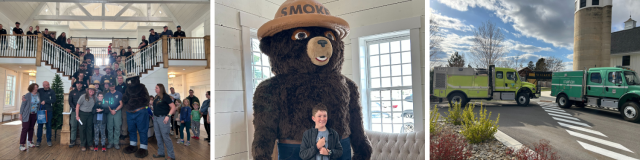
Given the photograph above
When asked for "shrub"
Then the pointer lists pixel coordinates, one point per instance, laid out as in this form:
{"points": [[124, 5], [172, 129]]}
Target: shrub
{"points": [[447, 145], [543, 151], [455, 114], [478, 128], [433, 120]]}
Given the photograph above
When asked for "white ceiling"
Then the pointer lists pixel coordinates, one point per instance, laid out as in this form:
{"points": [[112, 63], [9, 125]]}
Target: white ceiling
{"points": [[184, 70], [19, 67], [185, 13]]}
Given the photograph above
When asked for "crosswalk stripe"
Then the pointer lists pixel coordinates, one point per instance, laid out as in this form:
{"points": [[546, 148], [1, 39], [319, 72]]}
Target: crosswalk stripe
{"points": [[581, 129], [568, 121], [557, 112], [604, 152], [553, 109], [598, 140], [566, 117]]}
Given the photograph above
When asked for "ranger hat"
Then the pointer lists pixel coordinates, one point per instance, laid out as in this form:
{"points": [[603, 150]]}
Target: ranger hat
{"points": [[92, 87], [96, 81], [303, 13]]}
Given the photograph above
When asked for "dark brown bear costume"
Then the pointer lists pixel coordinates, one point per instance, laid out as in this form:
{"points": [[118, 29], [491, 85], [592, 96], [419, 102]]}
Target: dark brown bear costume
{"points": [[134, 97], [306, 57]]}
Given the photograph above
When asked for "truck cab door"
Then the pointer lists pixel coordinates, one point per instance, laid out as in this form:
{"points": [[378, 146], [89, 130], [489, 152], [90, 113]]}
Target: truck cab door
{"points": [[595, 84], [500, 85], [511, 81], [614, 86]]}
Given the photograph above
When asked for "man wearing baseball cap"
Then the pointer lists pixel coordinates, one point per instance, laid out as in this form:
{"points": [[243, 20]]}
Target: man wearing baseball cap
{"points": [[179, 45], [153, 36], [167, 32], [18, 31]]}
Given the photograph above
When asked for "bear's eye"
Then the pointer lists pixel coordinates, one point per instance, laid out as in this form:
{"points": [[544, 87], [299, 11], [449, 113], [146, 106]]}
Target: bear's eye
{"points": [[330, 35], [300, 34]]}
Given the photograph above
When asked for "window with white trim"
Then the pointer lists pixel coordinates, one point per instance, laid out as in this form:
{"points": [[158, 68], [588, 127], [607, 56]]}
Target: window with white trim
{"points": [[390, 84], [260, 67], [10, 91]]}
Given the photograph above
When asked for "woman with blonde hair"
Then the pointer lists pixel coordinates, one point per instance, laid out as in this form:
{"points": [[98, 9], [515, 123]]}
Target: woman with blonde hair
{"points": [[28, 116]]}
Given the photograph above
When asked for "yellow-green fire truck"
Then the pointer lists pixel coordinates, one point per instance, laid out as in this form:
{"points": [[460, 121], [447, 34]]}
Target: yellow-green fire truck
{"points": [[615, 88], [460, 85]]}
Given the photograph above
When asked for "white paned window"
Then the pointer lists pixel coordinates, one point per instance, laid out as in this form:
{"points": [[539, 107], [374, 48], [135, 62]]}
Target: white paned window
{"points": [[390, 84], [10, 90], [260, 67]]}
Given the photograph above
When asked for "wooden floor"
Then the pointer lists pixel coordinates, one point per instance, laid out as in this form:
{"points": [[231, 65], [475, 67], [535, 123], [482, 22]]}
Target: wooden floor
{"points": [[10, 139]]}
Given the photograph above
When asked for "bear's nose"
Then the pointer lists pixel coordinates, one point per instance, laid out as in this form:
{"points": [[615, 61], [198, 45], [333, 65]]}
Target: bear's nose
{"points": [[322, 42]]}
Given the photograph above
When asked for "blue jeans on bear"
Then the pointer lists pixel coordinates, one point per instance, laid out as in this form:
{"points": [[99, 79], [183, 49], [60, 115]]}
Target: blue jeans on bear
{"points": [[292, 151], [138, 122], [48, 124]]}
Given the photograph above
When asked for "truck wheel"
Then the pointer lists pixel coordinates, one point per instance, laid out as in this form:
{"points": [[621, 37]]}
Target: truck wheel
{"points": [[523, 99], [563, 101], [458, 98], [630, 112]]}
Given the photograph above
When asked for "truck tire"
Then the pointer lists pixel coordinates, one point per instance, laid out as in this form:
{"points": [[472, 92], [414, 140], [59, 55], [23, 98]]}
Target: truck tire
{"points": [[563, 101], [630, 112], [523, 98], [458, 98]]}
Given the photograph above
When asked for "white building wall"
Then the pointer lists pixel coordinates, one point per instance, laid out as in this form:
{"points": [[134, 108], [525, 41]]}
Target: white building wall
{"points": [[617, 61], [231, 129], [155, 76]]}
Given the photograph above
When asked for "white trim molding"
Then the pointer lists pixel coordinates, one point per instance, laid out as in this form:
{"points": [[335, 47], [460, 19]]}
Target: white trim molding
{"points": [[358, 38]]}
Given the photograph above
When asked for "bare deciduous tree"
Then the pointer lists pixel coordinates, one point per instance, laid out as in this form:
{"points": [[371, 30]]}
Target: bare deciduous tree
{"points": [[554, 64], [487, 46], [516, 62], [435, 38]]}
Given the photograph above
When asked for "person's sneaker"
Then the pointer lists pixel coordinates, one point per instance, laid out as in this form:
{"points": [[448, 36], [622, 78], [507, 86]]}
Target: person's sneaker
{"points": [[49, 144], [109, 146], [193, 136], [71, 144], [197, 138], [180, 141], [117, 146], [37, 144], [158, 156], [177, 136], [104, 149], [171, 133], [83, 149], [187, 143], [30, 144], [95, 148], [23, 148]]}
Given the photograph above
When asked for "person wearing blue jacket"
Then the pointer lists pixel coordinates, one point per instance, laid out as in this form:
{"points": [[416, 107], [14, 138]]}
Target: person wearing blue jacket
{"points": [[185, 122]]}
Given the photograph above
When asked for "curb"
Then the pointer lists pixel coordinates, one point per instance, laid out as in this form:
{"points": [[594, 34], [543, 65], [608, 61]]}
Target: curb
{"points": [[509, 142]]}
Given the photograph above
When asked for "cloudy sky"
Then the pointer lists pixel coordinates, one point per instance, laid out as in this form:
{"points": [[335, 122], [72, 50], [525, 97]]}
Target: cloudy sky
{"points": [[532, 28]]}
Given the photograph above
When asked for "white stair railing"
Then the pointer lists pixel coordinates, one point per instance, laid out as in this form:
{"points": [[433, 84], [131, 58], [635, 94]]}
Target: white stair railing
{"points": [[18, 46], [59, 58], [188, 48], [145, 59]]}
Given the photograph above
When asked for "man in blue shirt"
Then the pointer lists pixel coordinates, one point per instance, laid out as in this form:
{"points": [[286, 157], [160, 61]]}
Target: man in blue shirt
{"points": [[113, 99], [205, 112]]}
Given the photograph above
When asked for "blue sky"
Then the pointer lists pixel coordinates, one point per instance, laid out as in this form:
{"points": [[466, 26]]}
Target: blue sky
{"points": [[532, 29]]}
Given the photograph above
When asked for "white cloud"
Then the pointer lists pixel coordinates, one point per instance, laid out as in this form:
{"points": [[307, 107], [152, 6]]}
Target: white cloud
{"points": [[512, 45], [517, 35], [448, 22], [568, 66], [570, 56]]}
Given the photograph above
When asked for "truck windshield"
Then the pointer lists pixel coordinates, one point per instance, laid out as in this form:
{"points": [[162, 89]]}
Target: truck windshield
{"points": [[632, 78]]}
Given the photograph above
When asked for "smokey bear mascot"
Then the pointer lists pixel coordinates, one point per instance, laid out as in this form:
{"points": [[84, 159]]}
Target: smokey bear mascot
{"points": [[136, 100], [305, 49]]}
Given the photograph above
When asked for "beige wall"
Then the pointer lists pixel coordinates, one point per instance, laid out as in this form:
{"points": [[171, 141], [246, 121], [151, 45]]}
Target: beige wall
{"points": [[199, 81], [21, 85]]}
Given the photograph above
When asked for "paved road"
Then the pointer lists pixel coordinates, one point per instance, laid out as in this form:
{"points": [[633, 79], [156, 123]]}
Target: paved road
{"points": [[577, 133]]}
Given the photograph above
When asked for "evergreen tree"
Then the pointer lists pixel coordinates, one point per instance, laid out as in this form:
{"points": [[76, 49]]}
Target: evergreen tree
{"points": [[456, 60], [531, 65], [541, 65], [58, 88]]}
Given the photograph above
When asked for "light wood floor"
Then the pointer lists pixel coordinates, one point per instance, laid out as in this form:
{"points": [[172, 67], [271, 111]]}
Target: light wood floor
{"points": [[10, 139]]}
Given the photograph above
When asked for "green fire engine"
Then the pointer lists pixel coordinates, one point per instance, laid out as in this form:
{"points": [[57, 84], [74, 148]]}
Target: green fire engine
{"points": [[460, 85], [615, 88]]}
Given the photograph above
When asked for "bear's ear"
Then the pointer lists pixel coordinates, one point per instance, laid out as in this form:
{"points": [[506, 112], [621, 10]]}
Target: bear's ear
{"points": [[265, 45]]}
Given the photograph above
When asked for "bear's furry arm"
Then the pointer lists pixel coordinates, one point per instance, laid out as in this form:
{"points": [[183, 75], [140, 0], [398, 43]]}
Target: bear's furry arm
{"points": [[265, 122], [359, 142]]}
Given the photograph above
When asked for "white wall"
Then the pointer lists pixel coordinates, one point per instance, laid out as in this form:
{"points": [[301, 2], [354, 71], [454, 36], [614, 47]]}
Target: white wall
{"points": [[155, 76], [21, 85], [45, 73], [231, 129], [617, 61]]}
